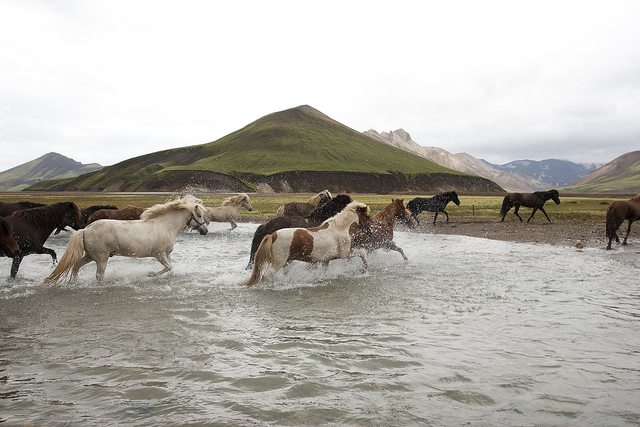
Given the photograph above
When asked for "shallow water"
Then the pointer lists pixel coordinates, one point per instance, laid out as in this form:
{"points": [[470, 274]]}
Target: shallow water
{"points": [[468, 331]]}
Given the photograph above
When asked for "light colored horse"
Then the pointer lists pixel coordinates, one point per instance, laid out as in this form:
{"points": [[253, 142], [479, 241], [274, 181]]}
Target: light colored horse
{"points": [[304, 208], [331, 240], [153, 235], [228, 211]]}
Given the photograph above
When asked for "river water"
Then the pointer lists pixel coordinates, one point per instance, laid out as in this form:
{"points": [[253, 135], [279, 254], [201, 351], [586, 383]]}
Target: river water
{"points": [[467, 331]]}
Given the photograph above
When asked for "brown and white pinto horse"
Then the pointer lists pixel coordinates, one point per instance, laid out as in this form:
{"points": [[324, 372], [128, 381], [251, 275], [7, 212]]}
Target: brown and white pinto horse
{"points": [[331, 240], [127, 213], [304, 208], [528, 200], [381, 225], [617, 212], [8, 245]]}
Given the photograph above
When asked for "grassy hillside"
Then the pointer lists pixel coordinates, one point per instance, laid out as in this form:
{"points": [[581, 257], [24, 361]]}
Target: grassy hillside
{"points": [[297, 140], [621, 175]]}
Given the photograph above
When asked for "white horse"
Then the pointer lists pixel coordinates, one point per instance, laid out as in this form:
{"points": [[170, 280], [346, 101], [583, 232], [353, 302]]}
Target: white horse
{"points": [[153, 235], [304, 208], [228, 211], [331, 240]]}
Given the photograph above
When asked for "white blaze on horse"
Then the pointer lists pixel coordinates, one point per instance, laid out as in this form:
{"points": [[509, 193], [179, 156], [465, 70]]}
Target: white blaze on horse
{"points": [[333, 239], [153, 235], [228, 211], [304, 208]]}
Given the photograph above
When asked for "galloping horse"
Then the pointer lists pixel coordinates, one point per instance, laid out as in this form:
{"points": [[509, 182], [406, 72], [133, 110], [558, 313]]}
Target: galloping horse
{"points": [[435, 204], [32, 227], [127, 213], [528, 200], [228, 211], [302, 208], [315, 218], [153, 235], [617, 212], [331, 240], [8, 245], [87, 212], [381, 225], [7, 208]]}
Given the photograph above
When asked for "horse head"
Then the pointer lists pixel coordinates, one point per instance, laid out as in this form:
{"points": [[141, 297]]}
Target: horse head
{"points": [[401, 213], [8, 245], [555, 196], [454, 198], [73, 218], [197, 221]]}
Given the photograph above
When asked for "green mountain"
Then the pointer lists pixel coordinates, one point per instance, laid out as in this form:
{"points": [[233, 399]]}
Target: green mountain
{"points": [[50, 166], [296, 150], [621, 175]]}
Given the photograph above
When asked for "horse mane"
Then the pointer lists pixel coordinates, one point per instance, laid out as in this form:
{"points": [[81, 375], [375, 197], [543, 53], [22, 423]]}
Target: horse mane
{"points": [[329, 208], [232, 200], [636, 198], [186, 202], [47, 215], [315, 200], [343, 218]]}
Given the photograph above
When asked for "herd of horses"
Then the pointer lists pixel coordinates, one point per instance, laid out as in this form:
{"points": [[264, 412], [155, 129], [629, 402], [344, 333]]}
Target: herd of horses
{"points": [[318, 231]]}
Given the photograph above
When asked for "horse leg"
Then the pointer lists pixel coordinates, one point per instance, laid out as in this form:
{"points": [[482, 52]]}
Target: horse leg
{"points": [[515, 211], [415, 216], [544, 212], [624, 241], [233, 224], [434, 219], [164, 259], [392, 246], [361, 254], [15, 265], [445, 212], [47, 251]]}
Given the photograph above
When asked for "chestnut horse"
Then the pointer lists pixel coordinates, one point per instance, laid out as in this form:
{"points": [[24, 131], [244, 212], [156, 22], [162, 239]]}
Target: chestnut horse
{"points": [[315, 218], [127, 213], [302, 208], [617, 212], [331, 240], [32, 227], [228, 211], [381, 225], [8, 245], [528, 200]]}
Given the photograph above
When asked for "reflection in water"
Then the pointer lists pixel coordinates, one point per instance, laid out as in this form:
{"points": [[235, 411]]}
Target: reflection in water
{"points": [[468, 330]]}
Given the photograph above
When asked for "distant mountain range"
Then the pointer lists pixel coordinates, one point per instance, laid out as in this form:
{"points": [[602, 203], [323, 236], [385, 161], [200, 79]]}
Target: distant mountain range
{"points": [[49, 166], [519, 175], [621, 175]]}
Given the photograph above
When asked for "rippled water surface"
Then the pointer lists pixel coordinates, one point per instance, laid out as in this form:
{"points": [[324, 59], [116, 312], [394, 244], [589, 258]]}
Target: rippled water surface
{"points": [[468, 331]]}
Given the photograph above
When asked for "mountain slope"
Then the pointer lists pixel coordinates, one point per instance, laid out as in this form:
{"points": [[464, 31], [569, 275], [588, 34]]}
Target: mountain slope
{"points": [[49, 166], [462, 162], [621, 175], [299, 149], [552, 172]]}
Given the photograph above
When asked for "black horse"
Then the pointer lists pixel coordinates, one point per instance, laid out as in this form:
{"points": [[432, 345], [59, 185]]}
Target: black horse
{"points": [[315, 218], [433, 204], [529, 200], [32, 227], [7, 208], [87, 212]]}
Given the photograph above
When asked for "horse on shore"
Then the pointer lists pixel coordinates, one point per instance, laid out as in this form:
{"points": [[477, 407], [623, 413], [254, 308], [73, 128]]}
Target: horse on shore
{"points": [[331, 240], [153, 235], [228, 211], [32, 227], [304, 208], [617, 212], [435, 204], [313, 219], [381, 227], [7, 208], [528, 200], [8, 245], [127, 213]]}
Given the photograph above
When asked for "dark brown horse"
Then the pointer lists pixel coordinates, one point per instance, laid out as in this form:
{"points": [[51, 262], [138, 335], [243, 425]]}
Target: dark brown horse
{"points": [[381, 228], [32, 227], [128, 212], [8, 245], [87, 212], [528, 200], [435, 204], [617, 212], [315, 218], [7, 208]]}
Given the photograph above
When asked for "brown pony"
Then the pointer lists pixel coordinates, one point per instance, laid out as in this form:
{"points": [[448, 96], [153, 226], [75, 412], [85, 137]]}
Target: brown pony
{"points": [[617, 212], [381, 225], [8, 245], [7, 208], [304, 208], [128, 212], [528, 200]]}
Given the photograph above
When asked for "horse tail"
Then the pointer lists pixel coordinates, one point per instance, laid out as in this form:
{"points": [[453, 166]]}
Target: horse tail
{"points": [[506, 205], [262, 258], [255, 243], [70, 261]]}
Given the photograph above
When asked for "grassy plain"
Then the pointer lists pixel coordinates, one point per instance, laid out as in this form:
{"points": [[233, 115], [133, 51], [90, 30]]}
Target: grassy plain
{"points": [[264, 205]]}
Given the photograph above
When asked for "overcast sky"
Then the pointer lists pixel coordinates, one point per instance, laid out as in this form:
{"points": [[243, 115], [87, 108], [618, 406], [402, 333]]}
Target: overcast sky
{"points": [[104, 81]]}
